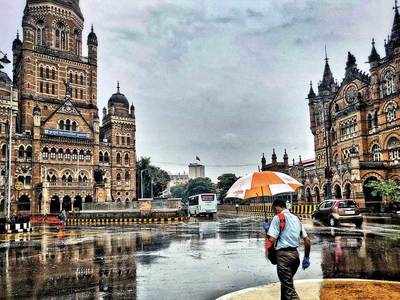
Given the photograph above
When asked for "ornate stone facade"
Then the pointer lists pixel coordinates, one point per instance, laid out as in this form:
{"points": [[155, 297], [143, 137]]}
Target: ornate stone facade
{"points": [[356, 124], [58, 142]]}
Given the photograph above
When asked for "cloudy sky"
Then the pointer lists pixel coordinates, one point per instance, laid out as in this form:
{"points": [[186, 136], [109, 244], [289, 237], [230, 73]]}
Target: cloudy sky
{"points": [[221, 79]]}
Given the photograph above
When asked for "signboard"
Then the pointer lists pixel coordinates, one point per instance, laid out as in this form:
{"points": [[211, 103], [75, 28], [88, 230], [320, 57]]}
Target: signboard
{"points": [[67, 134]]}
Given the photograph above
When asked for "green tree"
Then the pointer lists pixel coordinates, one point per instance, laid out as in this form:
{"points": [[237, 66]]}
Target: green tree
{"points": [[152, 177], [225, 181], [199, 186], [387, 188], [178, 191]]}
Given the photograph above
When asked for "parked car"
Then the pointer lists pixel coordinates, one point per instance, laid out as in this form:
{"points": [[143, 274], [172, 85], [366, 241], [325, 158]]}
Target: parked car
{"points": [[334, 212]]}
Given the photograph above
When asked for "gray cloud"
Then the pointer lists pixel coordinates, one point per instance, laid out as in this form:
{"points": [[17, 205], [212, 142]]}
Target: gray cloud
{"points": [[225, 80]]}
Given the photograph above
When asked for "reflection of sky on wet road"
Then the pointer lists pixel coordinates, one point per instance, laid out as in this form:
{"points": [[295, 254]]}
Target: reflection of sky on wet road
{"points": [[187, 261]]}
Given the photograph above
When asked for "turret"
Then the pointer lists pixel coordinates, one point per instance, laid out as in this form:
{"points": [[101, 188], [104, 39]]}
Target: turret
{"points": [[394, 40], [92, 47], [132, 110], [328, 83], [374, 57], [311, 102], [286, 159], [351, 63], [263, 163], [274, 157]]}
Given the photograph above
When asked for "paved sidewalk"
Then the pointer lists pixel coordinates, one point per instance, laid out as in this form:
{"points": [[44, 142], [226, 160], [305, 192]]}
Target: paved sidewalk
{"points": [[325, 289]]}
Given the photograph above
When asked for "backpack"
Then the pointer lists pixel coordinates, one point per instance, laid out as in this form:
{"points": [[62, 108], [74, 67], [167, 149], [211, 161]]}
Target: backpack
{"points": [[271, 247]]}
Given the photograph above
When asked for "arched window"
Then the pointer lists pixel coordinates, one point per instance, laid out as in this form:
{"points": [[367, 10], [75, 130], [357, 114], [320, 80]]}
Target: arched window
{"points": [[4, 150], [76, 78], [21, 152], [69, 179], [53, 74], [41, 72], [75, 154], [123, 140], [376, 153], [391, 113], [118, 177], [127, 159], [101, 157], [394, 149], [81, 79], [68, 125], [53, 152], [47, 72], [67, 154], [60, 153], [127, 176], [63, 40], [61, 125], [128, 141], [118, 158], [45, 153], [388, 83], [70, 77], [40, 33], [106, 157], [369, 121], [81, 155], [53, 179], [78, 44], [74, 126], [57, 38], [88, 155], [28, 152]]}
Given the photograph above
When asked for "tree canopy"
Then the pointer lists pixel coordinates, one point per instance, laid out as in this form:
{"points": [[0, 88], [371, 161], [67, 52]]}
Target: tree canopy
{"points": [[199, 186], [225, 181], [387, 188], [151, 175]]}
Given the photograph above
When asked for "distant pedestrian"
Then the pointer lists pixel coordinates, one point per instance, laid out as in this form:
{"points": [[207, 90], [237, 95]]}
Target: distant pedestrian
{"points": [[284, 236], [266, 224], [237, 208]]}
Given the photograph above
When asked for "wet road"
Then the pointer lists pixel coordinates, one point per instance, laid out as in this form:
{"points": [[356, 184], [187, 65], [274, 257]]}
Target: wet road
{"points": [[196, 260]]}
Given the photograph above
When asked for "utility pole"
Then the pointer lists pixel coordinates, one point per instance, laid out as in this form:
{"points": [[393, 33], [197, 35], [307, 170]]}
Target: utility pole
{"points": [[9, 167]]}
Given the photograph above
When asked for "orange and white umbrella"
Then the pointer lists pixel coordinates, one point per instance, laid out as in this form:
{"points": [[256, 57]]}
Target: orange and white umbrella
{"points": [[259, 184]]}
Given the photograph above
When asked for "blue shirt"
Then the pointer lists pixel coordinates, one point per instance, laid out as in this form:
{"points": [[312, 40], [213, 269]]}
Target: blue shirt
{"points": [[290, 236]]}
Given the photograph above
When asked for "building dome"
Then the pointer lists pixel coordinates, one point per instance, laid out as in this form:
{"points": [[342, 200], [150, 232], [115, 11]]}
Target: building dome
{"points": [[17, 43], [118, 99], [71, 4], [92, 38]]}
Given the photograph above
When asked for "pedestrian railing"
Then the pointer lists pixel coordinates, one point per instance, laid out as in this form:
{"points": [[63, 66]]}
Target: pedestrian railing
{"points": [[301, 209]]}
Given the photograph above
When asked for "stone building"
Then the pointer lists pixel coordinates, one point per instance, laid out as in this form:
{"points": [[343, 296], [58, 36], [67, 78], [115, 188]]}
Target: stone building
{"points": [[62, 155], [356, 124], [275, 165]]}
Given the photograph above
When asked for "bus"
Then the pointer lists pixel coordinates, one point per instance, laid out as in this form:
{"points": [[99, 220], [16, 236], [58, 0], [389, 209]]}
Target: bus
{"points": [[203, 205]]}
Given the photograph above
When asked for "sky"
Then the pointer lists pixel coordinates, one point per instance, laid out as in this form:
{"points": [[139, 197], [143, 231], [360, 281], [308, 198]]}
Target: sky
{"points": [[224, 80]]}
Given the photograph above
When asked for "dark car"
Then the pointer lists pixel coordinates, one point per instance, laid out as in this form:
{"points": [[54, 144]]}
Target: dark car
{"points": [[334, 212]]}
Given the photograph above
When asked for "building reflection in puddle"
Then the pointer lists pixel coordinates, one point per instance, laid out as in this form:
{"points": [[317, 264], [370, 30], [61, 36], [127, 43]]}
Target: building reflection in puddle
{"points": [[362, 255], [102, 266]]}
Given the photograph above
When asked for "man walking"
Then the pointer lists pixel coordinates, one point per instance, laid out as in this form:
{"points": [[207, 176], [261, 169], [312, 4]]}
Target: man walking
{"points": [[286, 235]]}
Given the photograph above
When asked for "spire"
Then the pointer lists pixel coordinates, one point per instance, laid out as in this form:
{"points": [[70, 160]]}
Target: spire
{"points": [[351, 62], [393, 40], [286, 159], [327, 79], [118, 88], [274, 157], [311, 93], [374, 56], [92, 29]]}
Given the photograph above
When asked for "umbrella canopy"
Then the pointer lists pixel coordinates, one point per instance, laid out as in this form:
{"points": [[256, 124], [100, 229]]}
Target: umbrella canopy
{"points": [[260, 184]]}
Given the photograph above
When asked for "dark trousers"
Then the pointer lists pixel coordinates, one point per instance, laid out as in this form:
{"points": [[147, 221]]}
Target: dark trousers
{"points": [[287, 264]]}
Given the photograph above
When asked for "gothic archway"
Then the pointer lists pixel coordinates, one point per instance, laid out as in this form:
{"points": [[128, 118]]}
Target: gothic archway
{"points": [[24, 203], [338, 192], [317, 194], [55, 205], [88, 199], [347, 191], [67, 204], [373, 200], [308, 195], [78, 202]]}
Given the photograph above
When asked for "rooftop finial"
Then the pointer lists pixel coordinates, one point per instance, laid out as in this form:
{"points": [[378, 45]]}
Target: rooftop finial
{"points": [[396, 6], [326, 55], [17, 34], [118, 87], [92, 28]]}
